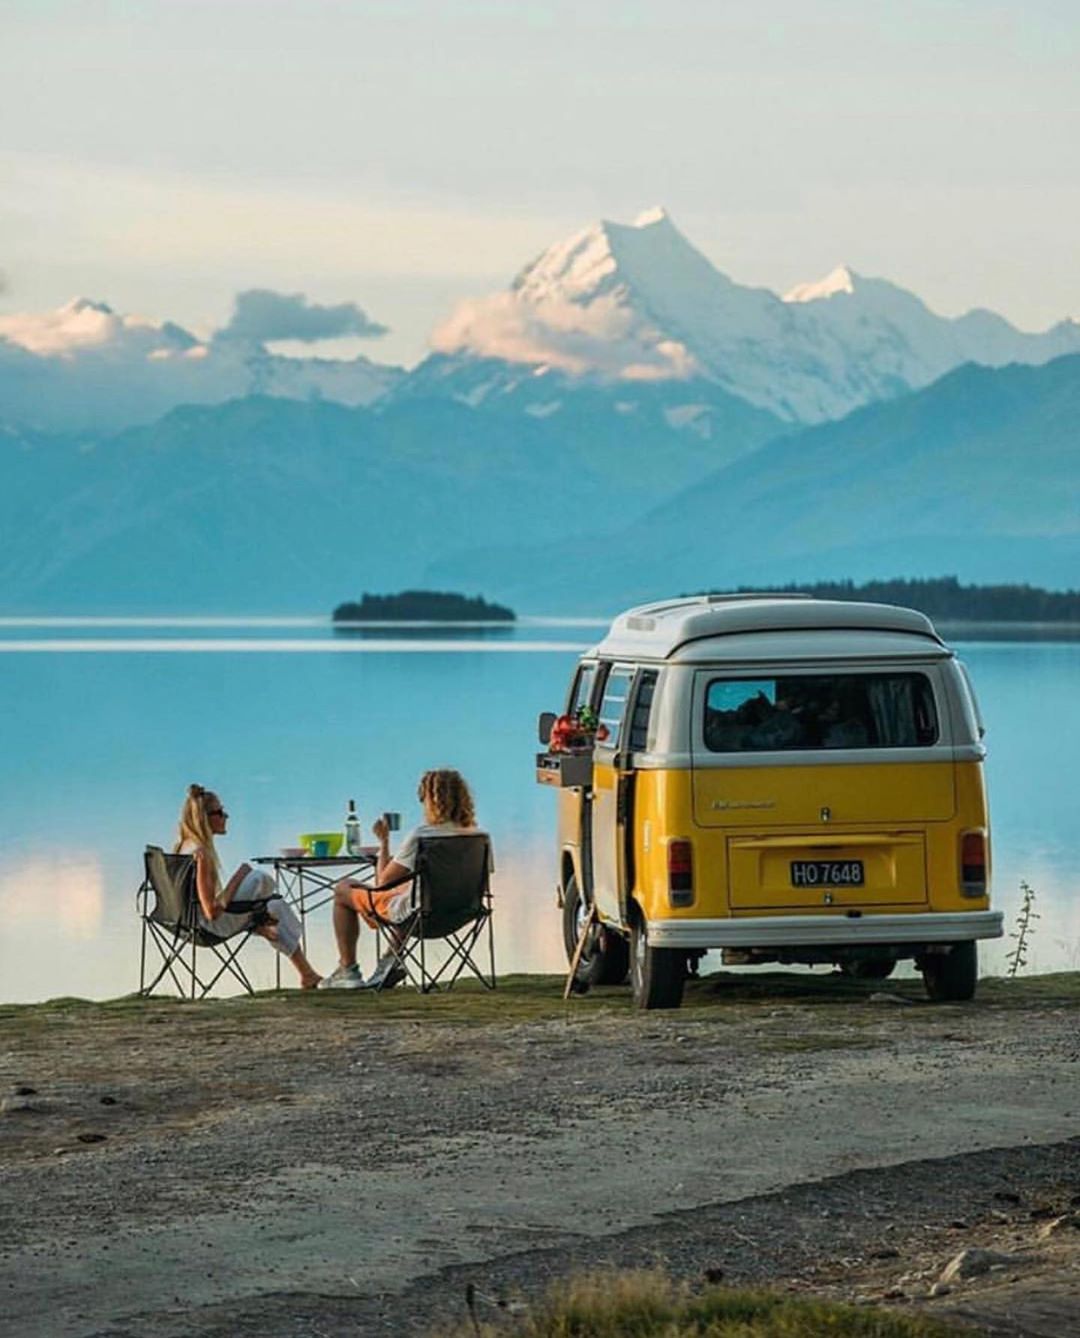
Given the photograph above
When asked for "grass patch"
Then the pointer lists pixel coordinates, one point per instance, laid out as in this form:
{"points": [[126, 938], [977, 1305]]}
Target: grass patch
{"points": [[650, 1305], [1060, 989], [526, 998], [519, 998], [794, 1045]]}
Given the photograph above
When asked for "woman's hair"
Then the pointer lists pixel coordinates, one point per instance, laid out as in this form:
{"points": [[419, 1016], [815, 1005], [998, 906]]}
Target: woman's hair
{"points": [[447, 797], [194, 824]]}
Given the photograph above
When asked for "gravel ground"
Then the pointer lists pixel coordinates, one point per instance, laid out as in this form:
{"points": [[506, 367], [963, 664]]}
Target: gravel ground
{"points": [[341, 1164]]}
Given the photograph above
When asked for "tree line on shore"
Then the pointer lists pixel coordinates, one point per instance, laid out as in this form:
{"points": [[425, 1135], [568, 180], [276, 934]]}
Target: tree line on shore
{"points": [[944, 597]]}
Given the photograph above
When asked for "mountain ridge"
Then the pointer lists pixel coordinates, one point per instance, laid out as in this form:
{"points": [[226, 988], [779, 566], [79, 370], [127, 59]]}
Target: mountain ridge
{"points": [[272, 504], [977, 474]]}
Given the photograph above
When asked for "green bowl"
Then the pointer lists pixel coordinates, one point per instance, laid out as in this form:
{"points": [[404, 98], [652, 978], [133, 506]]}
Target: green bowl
{"points": [[333, 841]]}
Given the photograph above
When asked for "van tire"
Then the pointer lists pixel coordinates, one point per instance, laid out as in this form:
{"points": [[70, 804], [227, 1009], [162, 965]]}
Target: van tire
{"points": [[605, 959], [951, 977], [657, 975]]}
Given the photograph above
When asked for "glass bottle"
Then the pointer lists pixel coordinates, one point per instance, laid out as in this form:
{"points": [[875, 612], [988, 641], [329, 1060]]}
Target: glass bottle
{"points": [[352, 830]]}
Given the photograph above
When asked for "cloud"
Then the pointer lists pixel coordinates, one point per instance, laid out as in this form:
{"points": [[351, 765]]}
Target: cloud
{"points": [[603, 336], [261, 315], [86, 367], [83, 326]]}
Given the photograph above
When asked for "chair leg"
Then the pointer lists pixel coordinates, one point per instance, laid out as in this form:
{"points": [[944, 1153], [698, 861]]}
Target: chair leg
{"points": [[462, 947], [142, 958], [227, 956], [176, 960], [171, 954], [166, 959]]}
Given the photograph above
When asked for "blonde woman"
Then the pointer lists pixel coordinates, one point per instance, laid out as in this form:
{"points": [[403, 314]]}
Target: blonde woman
{"points": [[448, 811], [203, 818]]}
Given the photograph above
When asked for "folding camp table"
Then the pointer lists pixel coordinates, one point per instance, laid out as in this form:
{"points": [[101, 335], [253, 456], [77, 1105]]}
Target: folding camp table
{"points": [[306, 882]]}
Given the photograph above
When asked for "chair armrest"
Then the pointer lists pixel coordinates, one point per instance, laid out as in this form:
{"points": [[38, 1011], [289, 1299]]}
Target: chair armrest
{"points": [[383, 887], [386, 887], [246, 907]]}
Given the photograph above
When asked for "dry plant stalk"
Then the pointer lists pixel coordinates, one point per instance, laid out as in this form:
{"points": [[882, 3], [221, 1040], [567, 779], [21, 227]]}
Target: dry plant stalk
{"points": [[1017, 958]]}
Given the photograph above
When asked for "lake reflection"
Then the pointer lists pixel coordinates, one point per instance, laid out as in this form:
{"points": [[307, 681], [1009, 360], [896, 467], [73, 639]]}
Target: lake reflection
{"points": [[113, 720]]}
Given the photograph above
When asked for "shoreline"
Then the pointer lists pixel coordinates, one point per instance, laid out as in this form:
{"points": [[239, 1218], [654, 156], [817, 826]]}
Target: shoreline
{"points": [[962, 628]]}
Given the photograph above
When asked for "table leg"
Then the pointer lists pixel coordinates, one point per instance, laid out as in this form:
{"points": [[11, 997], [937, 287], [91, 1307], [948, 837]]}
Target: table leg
{"points": [[277, 955]]}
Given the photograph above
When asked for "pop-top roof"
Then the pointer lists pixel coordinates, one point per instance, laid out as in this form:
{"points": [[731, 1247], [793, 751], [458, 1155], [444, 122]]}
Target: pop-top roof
{"points": [[656, 631]]}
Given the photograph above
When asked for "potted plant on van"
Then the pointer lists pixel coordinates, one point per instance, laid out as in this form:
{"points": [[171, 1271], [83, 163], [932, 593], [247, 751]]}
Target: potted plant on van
{"points": [[577, 732]]}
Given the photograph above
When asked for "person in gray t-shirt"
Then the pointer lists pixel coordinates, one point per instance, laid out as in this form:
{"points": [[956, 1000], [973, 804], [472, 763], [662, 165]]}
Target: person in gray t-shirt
{"points": [[448, 811]]}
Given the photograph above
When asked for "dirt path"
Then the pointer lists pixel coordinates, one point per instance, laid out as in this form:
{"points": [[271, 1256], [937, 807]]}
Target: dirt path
{"points": [[299, 1165]]}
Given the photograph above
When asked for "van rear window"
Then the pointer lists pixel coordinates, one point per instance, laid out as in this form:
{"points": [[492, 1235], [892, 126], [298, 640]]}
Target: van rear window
{"points": [[826, 711]]}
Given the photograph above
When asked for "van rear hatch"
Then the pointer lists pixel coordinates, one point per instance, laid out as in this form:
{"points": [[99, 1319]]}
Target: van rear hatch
{"points": [[806, 870], [820, 784]]}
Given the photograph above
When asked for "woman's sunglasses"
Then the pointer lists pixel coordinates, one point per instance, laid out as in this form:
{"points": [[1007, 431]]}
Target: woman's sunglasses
{"points": [[216, 813]]}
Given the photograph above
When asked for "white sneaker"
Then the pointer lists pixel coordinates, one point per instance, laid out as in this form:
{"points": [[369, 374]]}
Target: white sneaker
{"points": [[388, 973], [343, 978]]}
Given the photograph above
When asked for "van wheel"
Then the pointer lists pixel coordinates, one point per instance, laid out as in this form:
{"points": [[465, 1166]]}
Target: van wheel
{"points": [[657, 975], [869, 968], [605, 959], [951, 976]]}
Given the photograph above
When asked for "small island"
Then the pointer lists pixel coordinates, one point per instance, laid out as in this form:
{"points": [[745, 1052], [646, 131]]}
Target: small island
{"points": [[423, 606]]}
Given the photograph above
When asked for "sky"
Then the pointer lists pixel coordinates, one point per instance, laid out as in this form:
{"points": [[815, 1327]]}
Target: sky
{"points": [[162, 155]]}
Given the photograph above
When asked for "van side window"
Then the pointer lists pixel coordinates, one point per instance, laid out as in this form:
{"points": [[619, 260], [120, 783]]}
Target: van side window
{"points": [[613, 703], [581, 691], [639, 723], [820, 711]]}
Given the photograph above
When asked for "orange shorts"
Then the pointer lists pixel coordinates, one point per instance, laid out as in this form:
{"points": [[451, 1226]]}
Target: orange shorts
{"points": [[388, 905]]}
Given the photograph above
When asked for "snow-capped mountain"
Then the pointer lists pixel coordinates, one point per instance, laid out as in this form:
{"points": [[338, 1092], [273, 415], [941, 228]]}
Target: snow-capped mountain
{"points": [[85, 367], [639, 303], [615, 321]]}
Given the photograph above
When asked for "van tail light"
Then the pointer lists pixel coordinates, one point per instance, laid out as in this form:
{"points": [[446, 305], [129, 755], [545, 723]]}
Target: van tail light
{"points": [[973, 881], [680, 873]]}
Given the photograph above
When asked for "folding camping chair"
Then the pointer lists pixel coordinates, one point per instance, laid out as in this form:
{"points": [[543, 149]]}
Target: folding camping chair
{"points": [[172, 922], [451, 901]]}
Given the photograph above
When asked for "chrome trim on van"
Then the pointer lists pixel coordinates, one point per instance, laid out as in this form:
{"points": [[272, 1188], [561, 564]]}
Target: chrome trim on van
{"points": [[790, 931]]}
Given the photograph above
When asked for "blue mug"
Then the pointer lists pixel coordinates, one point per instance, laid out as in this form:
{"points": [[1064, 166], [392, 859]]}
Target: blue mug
{"points": [[320, 849]]}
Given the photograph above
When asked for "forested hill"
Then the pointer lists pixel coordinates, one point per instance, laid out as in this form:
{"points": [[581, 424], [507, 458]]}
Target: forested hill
{"points": [[945, 597]]}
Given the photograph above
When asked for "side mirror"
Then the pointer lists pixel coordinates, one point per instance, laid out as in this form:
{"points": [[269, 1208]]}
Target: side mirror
{"points": [[544, 726]]}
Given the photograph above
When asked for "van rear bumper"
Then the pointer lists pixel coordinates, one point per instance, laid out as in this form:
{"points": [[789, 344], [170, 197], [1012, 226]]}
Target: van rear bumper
{"points": [[788, 931]]}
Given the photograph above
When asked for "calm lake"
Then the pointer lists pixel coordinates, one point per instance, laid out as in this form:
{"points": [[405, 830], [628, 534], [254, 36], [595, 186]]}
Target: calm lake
{"points": [[108, 721]]}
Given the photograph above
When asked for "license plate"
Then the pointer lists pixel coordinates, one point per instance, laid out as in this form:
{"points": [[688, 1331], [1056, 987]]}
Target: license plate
{"points": [[827, 873]]}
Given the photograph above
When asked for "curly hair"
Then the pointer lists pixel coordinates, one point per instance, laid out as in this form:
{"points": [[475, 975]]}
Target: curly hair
{"points": [[447, 797]]}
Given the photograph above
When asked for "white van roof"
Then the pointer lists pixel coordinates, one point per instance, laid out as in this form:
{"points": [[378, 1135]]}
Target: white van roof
{"points": [[658, 631]]}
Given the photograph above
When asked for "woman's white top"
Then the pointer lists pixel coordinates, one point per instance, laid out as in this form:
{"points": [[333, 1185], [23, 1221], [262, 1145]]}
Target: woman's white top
{"points": [[190, 847]]}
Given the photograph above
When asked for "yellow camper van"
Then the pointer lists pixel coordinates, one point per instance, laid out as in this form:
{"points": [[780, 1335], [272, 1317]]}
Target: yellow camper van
{"points": [[781, 778]]}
